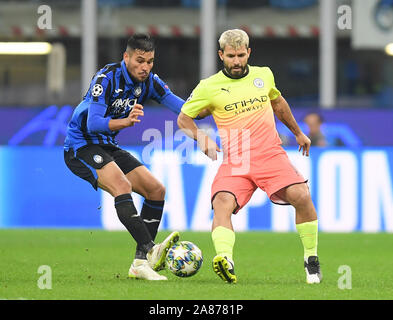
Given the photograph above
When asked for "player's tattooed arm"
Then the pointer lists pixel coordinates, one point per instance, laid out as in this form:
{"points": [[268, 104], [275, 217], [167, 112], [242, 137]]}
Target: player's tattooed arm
{"points": [[284, 114]]}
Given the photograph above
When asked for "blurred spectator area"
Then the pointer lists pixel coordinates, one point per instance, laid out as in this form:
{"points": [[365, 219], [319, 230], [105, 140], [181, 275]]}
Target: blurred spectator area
{"points": [[283, 36]]}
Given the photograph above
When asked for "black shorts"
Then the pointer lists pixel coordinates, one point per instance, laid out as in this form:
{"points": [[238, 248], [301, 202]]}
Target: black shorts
{"points": [[91, 157]]}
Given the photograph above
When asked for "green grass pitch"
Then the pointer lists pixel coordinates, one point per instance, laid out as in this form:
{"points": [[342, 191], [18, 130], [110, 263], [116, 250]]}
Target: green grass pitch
{"points": [[93, 264]]}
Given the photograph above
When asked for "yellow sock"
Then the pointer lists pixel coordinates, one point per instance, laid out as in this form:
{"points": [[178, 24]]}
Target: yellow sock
{"points": [[308, 232], [223, 240]]}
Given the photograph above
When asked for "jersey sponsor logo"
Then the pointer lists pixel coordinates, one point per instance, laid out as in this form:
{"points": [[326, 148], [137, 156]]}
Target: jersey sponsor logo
{"points": [[97, 90], [97, 158], [245, 103], [137, 91], [124, 103], [258, 82], [248, 109], [121, 105]]}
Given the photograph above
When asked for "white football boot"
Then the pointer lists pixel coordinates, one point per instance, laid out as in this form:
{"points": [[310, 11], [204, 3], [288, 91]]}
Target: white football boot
{"points": [[156, 255], [313, 270], [140, 269]]}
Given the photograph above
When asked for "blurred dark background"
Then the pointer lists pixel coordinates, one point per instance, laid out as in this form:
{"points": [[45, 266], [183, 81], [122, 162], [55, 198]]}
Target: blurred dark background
{"points": [[284, 35]]}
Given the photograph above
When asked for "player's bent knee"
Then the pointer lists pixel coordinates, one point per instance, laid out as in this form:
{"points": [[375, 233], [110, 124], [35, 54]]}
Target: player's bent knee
{"points": [[224, 200], [124, 186], [161, 191], [155, 191], [119, 187], [300, 197]]}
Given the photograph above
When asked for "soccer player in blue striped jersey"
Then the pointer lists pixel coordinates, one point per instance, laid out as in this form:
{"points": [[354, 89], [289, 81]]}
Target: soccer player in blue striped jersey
{"points": [[113, 102]]}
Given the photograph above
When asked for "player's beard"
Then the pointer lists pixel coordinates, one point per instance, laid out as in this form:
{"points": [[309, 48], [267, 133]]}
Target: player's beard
{"points": [[139, 77], [143, 77], [236, 73]]}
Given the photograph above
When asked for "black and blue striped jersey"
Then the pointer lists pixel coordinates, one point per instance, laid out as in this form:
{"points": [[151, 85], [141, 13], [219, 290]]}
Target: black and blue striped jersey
{"points": [[112, 95]]}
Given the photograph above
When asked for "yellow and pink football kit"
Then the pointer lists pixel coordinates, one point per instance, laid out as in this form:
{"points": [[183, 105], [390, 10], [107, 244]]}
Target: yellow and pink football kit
{"points": [[253, 155]]}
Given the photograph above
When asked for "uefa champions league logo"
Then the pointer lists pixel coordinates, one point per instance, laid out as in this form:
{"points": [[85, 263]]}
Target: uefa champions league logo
{"points": [[97, 90]]}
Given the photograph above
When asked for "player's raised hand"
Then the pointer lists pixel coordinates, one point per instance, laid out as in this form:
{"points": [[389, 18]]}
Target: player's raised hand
{"points": [[137, 111], [208, 146], [304, 143]]}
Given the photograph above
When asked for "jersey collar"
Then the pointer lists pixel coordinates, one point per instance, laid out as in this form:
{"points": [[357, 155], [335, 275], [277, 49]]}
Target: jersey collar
{"points": [[126, 74], [229, 76]]}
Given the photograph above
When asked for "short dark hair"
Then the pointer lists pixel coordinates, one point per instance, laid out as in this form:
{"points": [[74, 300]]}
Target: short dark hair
{"points": [[141, 41]]}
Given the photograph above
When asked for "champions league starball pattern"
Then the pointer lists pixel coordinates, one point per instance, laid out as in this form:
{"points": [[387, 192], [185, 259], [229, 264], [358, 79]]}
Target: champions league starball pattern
{"points": [[184, 259]]}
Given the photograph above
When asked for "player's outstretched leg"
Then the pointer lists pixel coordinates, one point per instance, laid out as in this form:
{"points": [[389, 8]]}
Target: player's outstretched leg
{"points": [[224, 268], [156, 256], [308, 232], [223, 236], [298, 195], [140, 269], [151, 215]]}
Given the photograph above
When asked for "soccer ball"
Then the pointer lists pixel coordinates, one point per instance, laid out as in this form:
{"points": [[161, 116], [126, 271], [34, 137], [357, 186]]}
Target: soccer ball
{"points": [[184, 259]]}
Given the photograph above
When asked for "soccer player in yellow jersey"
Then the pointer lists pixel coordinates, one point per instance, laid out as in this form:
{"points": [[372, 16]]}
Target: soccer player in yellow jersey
{"points": [[243, 100]]}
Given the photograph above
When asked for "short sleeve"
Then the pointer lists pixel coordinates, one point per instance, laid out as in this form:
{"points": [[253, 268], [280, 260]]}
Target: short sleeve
{"points": [[100, 89], [274, 93], [196, 102]]}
